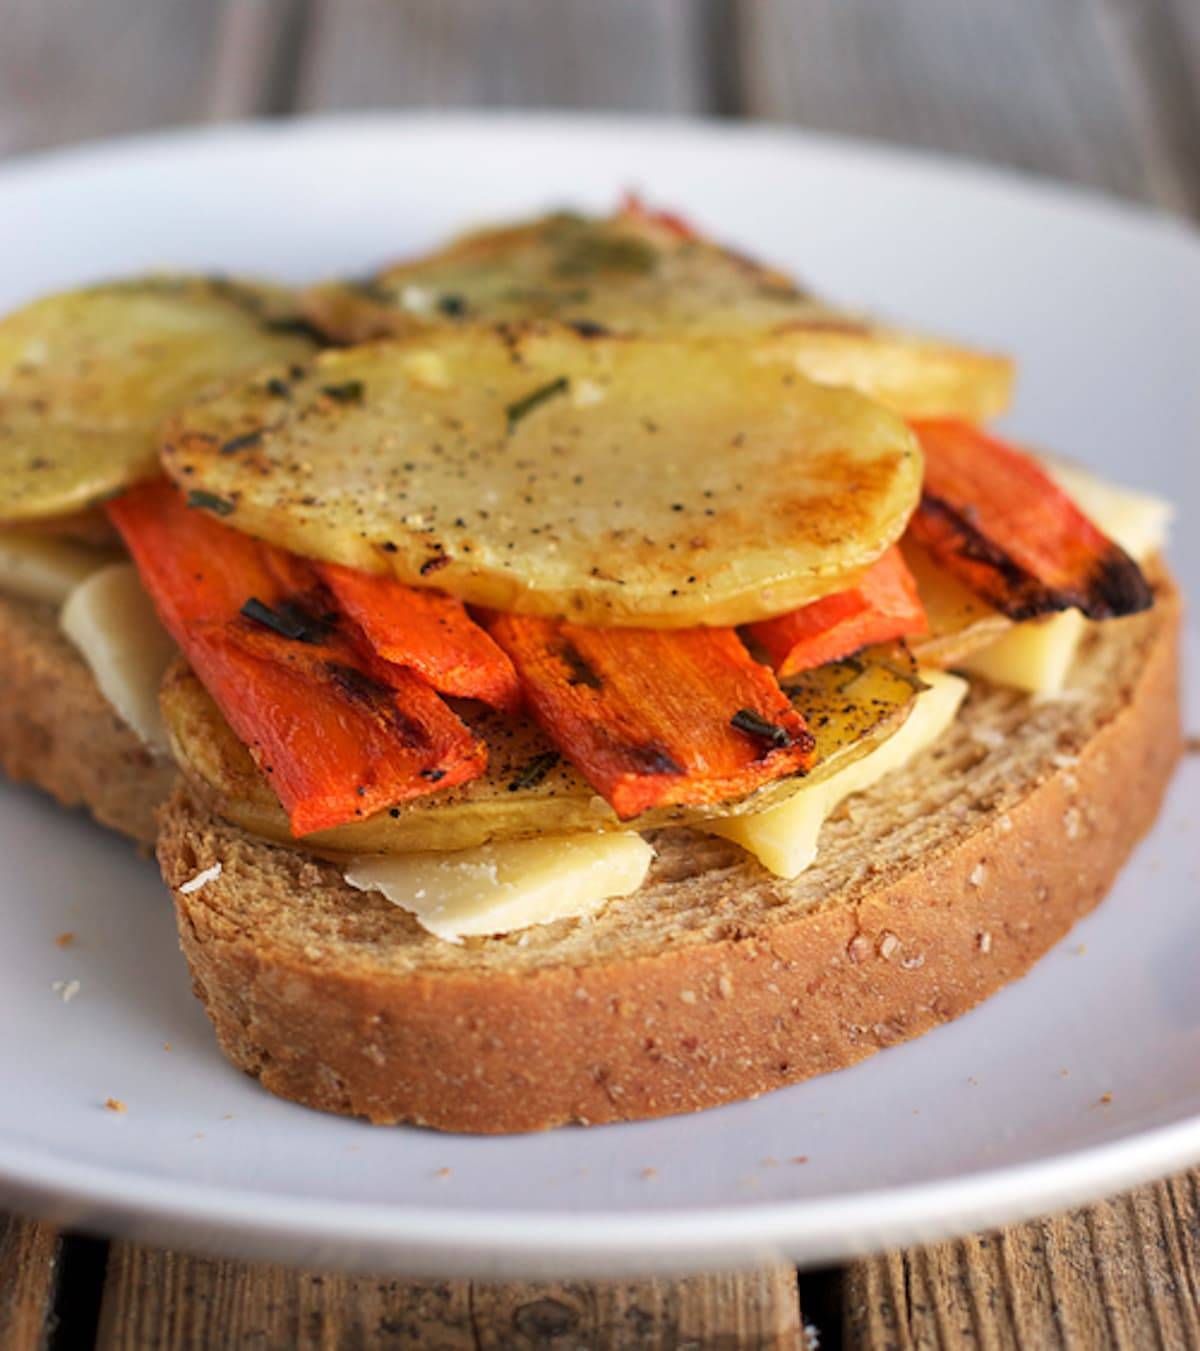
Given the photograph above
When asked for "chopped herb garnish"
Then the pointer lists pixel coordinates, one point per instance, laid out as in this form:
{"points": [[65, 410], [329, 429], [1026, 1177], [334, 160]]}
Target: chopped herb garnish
{"points": [[534, 771], [534, 399], [452, 306], [289, 620], [597, 253], [754, 724], [279, 389], [243, 442], [352, 391], [293, 323], [588, 328], [219, 506]]}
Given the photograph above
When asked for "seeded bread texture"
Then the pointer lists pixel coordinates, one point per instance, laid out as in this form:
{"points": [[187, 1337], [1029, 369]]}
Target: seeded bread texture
{"points": [[58, 731], [715, 981]]}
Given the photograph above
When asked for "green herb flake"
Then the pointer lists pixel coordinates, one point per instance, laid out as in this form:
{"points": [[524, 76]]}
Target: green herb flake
{"points": [[219, 506], [351, 391], [534, 771], [754, 724], [534, 399]]}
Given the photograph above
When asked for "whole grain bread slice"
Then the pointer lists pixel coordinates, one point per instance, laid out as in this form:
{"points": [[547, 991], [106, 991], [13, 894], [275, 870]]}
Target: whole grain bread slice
{"points": [[59, 732], [715, 981]]}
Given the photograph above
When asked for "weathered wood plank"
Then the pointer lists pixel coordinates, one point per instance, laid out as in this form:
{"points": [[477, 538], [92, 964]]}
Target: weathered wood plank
{"points": [[626, 54], [1072, 90], [28, 1259], [1124, 1273], [73, 69], [165, 1300]]}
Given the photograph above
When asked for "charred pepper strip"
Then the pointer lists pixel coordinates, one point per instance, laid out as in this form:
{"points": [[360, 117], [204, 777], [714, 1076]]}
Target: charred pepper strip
{"points": [[652, 717], [883, 606], [428, 632], [992, 517], [339, 733]]}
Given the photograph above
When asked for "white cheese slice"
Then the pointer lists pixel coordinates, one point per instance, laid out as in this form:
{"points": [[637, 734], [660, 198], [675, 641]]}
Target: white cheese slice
{"points": [[509, 885], [111, 620], [1036, 656], [44, 567], [784, 838]]}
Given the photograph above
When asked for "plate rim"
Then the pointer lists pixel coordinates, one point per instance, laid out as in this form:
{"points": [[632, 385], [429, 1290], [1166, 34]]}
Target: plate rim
{"points": [[804, 1229]]}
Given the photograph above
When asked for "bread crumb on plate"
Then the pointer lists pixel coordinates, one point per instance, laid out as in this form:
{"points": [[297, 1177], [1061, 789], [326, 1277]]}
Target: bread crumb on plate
{"points": [[115, 1105]]}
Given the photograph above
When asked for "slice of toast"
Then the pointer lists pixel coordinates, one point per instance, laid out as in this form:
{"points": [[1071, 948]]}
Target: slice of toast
{"points": [[715, 981], [58, 731]]}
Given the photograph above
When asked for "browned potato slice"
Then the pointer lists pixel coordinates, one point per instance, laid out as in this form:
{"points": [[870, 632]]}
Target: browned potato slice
{"points": [[629, 481], [631, 273], [86, 377], [528, 789]]}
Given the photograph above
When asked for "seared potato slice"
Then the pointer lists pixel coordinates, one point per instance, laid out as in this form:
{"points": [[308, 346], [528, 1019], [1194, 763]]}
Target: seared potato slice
{"points": [[635, 273], [614, 481], [528, 789], [87, 376]]}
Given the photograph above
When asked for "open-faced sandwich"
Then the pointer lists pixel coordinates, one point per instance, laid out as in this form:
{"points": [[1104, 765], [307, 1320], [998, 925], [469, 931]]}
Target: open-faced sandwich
{"points": [[610, 682]]}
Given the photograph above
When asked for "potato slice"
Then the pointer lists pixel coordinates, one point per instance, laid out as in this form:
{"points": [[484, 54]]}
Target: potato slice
{"points": [[959, 622], [87, 376], [614, 481], [635, 273], [528, 789]]}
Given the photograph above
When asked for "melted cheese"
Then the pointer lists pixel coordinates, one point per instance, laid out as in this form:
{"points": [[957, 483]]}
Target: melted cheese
{"points": [[508, 885], [44, 567], [784, 838], [1036, 656], [111, 621]]}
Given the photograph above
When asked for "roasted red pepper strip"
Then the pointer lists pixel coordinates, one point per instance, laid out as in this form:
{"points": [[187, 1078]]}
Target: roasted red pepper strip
{"points": [[340, 733], [651, 716], [428, 632], [882, 607], [633, 208], [992, 517]]}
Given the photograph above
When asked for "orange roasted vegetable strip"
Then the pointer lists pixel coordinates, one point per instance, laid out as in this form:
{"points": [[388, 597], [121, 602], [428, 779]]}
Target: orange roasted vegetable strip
{"points": [[340, 733], [429, 632], [992, 517], [882, 607], [651, 716]]}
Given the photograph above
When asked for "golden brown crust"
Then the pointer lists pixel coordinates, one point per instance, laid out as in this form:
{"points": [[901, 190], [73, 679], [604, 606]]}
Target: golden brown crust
{"points": [[335, 1000], [59, 732]]}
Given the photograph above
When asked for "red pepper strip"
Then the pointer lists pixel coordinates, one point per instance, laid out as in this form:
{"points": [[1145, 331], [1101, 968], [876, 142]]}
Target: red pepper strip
{"points": [[992, 517], [633, 208], [428, 632], [651, 716], [882, 607], [340, 733]]}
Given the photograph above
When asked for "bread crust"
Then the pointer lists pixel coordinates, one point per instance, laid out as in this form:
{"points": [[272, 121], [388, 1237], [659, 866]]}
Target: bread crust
{"points": [[58, 731], [488, 1044]]}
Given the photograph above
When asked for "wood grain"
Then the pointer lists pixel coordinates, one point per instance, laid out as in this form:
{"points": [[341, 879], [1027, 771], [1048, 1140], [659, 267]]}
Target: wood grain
{"points": [[28, 1259], [1124, 1273], [73, 69], [627, 54], [1096, 91], [180, 1303]]}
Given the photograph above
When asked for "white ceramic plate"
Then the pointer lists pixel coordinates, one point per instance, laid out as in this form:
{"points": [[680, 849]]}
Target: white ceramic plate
{"points": [[997, 1116]]}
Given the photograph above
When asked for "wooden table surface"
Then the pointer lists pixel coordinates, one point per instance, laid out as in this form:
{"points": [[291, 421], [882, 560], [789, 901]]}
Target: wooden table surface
{"points": [[1100, 92]]}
